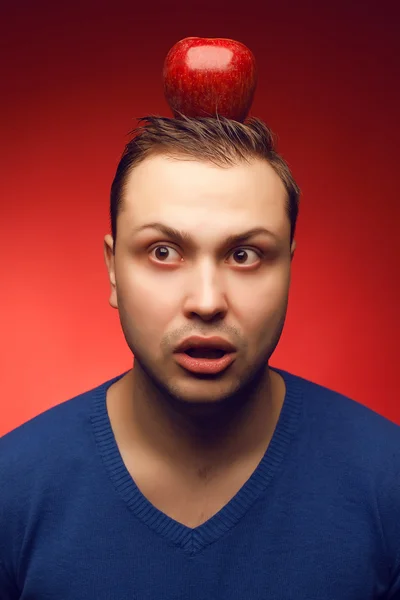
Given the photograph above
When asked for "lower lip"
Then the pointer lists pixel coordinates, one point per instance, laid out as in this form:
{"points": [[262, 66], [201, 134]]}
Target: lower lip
{"points": [[209, 366]]}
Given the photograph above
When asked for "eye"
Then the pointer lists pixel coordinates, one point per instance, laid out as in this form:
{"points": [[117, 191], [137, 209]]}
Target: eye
{"points": [[242, 255], [162, 253]]}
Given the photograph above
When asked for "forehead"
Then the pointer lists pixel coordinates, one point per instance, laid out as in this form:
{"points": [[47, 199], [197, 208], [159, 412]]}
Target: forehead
{"points": [[193, 195]]}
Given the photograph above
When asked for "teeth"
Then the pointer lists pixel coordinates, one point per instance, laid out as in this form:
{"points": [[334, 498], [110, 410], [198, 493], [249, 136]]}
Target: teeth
{"points": [[205, 352]]}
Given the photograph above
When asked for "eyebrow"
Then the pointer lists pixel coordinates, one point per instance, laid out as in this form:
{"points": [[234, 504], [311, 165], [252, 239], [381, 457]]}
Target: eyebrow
{"points": [[184, 237]]}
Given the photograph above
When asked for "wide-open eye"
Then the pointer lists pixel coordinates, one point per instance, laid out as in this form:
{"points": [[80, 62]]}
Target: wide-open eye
{"points": [[245, 256], [165, 254]]}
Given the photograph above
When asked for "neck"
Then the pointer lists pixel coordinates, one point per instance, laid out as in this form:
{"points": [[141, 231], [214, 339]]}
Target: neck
{"points": [[201, 435]]}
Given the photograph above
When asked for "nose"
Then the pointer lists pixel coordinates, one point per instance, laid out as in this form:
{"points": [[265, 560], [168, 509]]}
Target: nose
{"points": [[205, 295]]}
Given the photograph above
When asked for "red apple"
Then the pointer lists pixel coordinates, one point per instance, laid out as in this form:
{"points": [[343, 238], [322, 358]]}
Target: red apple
{"points": [[204, 77]]}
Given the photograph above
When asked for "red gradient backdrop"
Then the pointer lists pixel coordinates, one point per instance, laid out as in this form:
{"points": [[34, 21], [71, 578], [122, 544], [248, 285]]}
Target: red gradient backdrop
{"points": [[75, 76]]}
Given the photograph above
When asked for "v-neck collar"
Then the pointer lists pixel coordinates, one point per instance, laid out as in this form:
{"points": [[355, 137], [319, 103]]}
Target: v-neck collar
{"points": [[194, 539]]}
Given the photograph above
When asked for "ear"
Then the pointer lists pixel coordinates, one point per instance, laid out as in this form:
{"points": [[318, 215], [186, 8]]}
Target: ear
{"points": [[110, 263], [292, 249]]}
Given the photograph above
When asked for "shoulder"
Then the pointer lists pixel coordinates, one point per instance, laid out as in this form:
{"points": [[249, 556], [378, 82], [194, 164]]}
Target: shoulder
{"points": [[345, 425], [43, 464], [359, 449], [50, 436], [344, 409], [47, 457]]}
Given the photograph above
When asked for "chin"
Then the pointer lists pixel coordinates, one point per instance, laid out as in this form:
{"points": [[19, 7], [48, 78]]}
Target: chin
{"points": [[201, 391], [199, 403], [205, 395]]}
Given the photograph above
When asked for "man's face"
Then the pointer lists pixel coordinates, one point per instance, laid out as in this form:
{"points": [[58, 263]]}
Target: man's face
{"points": [[168, 289]]}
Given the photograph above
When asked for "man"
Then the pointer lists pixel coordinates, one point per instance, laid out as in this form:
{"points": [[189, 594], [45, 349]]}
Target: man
{"points": [[202, 472]]}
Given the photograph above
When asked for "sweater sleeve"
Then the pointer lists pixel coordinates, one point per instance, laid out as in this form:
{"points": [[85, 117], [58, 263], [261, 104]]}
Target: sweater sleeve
{"points": [[394, 590], [389, 501], [7, 589], [394, 593], [10, 502]]}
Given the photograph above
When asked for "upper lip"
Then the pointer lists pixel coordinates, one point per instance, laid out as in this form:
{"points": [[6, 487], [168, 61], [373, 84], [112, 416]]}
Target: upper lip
{"points": [[200, 342]]}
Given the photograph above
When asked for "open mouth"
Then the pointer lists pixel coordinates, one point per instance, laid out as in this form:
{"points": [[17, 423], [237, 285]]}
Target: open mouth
{"points": [[205, 353], [205, 361]]}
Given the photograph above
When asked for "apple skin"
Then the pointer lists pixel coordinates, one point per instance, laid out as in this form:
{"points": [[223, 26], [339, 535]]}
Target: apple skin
{"points": [[204, 77]]}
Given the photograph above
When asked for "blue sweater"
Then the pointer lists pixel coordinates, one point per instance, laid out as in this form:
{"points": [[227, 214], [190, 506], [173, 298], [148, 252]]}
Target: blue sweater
{"points": [[319, 519]]}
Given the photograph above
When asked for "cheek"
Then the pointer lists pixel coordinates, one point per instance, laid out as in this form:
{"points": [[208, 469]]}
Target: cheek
{"points": [[149, 305], [260, 305]]}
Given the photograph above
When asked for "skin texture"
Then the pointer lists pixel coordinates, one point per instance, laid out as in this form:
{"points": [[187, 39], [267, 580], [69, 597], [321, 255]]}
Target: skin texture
{"points": [[175, 429]]}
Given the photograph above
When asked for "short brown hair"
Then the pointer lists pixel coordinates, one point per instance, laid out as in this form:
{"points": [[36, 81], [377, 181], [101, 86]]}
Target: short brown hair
{"points": [[221, 141]]}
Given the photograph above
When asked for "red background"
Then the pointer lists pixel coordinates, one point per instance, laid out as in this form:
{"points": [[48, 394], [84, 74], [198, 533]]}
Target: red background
{"points": [[75, 78]]}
